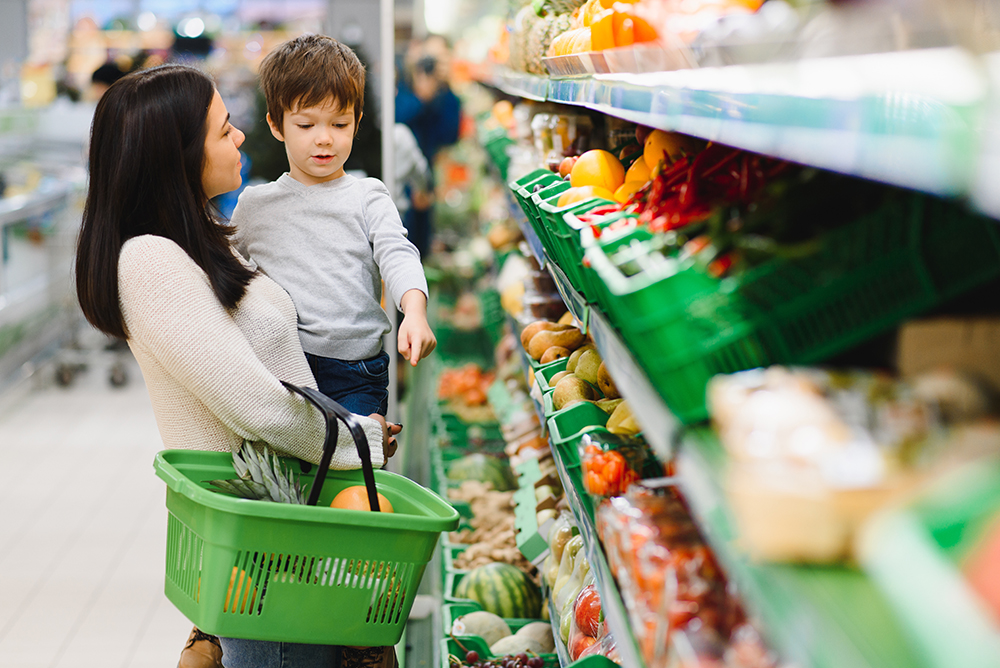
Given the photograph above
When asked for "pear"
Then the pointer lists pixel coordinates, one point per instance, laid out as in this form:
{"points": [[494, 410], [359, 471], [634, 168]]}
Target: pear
{"points": [[554, 380], [554, 353], [569, 338], [566, 319], [571, 362], [608, 405], [534, 327], [606, 383], [622, 421], [571, 390], [587, 366]]}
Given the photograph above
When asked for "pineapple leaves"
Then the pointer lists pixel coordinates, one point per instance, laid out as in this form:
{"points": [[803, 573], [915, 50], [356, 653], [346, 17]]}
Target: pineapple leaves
{"points": [[261, 478]]}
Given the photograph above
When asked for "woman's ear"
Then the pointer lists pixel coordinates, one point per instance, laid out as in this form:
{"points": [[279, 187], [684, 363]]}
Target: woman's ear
{"points": [[275, 130]]}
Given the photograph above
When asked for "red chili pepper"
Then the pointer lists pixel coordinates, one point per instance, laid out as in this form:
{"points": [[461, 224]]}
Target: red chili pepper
{"points": [[718, 267]]}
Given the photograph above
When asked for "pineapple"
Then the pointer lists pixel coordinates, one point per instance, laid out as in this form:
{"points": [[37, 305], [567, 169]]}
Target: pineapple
{"points": [[260, 478], [521, 27], [541, 38], [555, 7]]}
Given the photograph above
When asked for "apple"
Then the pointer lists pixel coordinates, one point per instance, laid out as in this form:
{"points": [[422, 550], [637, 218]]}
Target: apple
{"points": [[587, 613], [641, 132], [566, 166], [579, 644]]}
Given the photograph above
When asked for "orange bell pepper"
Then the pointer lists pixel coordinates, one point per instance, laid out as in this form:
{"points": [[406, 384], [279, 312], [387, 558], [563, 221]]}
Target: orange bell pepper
{"points": [[602, 35], [623, 29], [641, 29]]}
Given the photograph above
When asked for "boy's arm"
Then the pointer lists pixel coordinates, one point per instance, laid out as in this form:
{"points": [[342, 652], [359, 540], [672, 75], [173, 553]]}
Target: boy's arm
{"points": [[397, 259], [415, 340]]}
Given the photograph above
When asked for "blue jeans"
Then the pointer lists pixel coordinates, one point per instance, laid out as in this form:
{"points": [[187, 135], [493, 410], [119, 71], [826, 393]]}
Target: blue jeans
{"points": [[237, 653], [361, 387]]}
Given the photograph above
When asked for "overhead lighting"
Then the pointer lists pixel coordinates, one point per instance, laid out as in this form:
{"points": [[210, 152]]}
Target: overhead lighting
{"points": [[191, 27], [146, 21]]}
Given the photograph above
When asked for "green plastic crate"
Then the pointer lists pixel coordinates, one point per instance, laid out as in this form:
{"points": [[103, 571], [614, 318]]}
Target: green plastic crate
{"points": [[496, 143], [457, 346], [549, 195], [563, 226], [313, 574], [525, 187], [914, 556], [566, 429], [545, 373], [915, 253]]}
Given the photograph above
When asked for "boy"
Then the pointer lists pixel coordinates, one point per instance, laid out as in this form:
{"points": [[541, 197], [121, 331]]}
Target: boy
{"points": [[326, 237]]}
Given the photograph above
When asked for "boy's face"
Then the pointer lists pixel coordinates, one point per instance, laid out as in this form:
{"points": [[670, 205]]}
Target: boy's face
{"points": [[318, 141]]}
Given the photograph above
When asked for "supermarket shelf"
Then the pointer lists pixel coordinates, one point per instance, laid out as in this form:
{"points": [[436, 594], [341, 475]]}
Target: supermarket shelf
{"points": [[611, 601], [659, 426], [816, 616], [907, 118], [534, 243], [573, 300], [820, 617]]}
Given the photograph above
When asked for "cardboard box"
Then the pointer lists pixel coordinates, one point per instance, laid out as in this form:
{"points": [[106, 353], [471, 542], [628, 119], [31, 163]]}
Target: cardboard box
{"points": [[971, 345]]}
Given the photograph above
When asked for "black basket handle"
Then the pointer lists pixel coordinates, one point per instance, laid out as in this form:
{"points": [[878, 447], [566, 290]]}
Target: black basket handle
{"points": [[331, 410]]}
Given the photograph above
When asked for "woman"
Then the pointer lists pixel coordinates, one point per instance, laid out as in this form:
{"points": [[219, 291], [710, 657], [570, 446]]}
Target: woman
{"points": [[213, 337]]}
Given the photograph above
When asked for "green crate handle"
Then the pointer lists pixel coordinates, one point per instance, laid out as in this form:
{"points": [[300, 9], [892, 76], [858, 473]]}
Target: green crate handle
{"points": [[331, 410]]}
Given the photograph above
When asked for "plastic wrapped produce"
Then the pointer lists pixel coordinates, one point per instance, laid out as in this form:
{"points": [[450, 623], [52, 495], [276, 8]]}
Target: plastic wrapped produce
{"points": [[668, 576]]}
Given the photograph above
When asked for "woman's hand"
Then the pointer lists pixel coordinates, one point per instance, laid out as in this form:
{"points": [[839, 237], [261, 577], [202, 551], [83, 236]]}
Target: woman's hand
{"points": [[389, 431]]}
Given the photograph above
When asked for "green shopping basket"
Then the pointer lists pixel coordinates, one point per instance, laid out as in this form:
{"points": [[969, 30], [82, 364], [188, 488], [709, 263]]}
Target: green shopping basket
{"points": [[260, 570]]}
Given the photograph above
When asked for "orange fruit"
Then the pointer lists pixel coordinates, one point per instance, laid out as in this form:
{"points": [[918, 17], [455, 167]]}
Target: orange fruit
{"points": [[503, 111], [597, 167], [639, 171], [660, 142], [356, 498], [627, 189], [581, 193]]}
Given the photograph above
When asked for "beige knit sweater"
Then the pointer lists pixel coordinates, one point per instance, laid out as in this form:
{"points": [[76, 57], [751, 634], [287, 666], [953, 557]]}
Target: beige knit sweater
{"points": [[213, 374]]}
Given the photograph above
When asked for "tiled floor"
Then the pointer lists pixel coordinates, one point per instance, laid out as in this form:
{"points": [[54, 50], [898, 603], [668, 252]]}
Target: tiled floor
{"points": [[82, 528]]}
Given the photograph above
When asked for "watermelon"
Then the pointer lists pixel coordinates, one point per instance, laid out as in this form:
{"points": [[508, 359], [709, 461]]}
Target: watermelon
{"points": [[485, 468], [502, 589]]}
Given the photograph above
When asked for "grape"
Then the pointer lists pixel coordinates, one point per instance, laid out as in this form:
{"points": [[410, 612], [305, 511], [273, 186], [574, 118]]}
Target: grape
{"points": [[536, 662], [522, 658], [472, 657]]}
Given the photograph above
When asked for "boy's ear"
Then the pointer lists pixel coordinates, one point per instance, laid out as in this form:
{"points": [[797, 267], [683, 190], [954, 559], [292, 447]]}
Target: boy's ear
{"points": [[275, 130]]}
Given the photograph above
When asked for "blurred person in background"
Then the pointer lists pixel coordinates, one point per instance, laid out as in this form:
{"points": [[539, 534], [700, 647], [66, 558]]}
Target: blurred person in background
{"points": [[102, 78], [427, 105]]}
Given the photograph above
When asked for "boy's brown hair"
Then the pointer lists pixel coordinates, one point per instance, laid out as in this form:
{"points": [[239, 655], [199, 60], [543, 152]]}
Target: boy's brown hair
{"points": [[306, 71]]}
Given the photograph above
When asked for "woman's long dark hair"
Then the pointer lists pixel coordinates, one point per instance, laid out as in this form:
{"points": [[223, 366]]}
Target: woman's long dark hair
{"points": [[147, 150]]}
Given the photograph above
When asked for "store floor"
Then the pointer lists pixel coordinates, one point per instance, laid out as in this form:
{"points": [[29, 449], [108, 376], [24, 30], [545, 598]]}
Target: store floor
{"points": [[82, 528]]}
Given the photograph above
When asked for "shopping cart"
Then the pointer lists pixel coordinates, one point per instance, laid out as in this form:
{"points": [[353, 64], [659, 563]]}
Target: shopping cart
{"points": [[298, 573]]}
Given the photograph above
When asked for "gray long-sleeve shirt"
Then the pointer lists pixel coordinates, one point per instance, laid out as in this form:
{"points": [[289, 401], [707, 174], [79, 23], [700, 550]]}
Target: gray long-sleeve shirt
{"points": [[329, 246]]}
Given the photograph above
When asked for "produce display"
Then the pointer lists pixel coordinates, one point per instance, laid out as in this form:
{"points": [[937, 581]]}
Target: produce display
{"points": [[491, 536], [670, 581], [502, 589], [815, 452], [612, 463], [696, 258]]}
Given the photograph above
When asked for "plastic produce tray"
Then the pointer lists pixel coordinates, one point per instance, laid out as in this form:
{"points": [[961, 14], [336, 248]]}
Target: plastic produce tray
{"points": [[549, 195], [496, 143], [915, 253], [544, 374], [563, 228], [525, 187]]}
